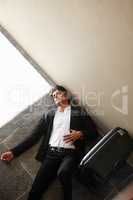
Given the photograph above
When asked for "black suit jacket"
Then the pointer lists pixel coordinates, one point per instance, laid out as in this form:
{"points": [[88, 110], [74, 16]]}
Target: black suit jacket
{"points": [[80, 120]]}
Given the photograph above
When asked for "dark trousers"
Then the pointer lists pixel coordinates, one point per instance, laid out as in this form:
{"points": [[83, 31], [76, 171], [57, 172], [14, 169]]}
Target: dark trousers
{"points": [[61, 164]]}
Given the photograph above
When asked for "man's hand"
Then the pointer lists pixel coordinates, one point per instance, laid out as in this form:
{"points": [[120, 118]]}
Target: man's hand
{"points": [[73, 135], [7, 156]]}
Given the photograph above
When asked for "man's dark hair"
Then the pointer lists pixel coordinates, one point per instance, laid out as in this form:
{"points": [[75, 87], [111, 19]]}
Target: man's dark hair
{"points": [[71, 98], [60, 88]]}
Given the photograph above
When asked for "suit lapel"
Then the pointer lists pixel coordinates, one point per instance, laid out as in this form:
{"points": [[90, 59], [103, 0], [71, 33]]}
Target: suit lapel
{"points": [[74, 118], [51, 119]]}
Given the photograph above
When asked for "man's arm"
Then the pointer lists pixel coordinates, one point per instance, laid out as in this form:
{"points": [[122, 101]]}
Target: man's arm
{"points": [[90, 129], [27, 143], [91, 133]]}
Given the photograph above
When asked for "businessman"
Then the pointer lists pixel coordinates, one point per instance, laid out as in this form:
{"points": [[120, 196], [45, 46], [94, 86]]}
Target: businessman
{"points": [[64, 131]]}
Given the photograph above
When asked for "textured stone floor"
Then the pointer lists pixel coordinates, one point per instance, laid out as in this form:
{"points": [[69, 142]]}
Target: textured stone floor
{"points": [[126, 194]]}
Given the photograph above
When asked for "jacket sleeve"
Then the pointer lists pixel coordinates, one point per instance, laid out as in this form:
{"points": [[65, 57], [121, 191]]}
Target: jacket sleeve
{"points": [[32, 139]]}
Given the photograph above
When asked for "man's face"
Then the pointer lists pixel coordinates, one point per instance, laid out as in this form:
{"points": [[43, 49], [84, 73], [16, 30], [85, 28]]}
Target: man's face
{"points": [[59, 97]]}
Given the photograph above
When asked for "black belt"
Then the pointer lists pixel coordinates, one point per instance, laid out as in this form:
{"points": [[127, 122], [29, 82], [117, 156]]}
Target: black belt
{"points": [[61, 149]]}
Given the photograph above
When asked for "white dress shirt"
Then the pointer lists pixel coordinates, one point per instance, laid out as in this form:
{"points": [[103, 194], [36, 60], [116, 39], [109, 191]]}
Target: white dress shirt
{"points": [[61, 127]]}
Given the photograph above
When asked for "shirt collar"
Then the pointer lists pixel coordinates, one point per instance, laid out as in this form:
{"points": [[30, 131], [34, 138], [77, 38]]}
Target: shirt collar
{"points": [[66, 109]]}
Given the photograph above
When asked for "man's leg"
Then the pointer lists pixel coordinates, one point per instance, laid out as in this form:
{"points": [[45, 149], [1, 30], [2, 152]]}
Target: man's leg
{"points": [[45, 175], [65, 172]]}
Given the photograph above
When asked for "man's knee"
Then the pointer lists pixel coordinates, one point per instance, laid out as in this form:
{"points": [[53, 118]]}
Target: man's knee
{"points": [[63, 175]]}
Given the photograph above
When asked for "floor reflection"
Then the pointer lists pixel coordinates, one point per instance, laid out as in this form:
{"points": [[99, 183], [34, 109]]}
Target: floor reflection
{"points": [[126, 194]]}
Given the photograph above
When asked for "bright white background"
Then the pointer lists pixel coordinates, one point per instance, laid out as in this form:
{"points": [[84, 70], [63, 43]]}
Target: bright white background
{"points": [[20, 84]]}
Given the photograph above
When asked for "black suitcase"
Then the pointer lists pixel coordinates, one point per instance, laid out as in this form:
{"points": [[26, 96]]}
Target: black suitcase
{"points": [[106, 155]]}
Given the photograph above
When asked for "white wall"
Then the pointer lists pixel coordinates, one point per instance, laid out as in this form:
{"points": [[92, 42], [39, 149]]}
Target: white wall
{"points": [[86, 45]]}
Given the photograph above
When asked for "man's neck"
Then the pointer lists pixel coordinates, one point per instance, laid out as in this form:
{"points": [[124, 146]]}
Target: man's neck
{"points": [[62, 107]]}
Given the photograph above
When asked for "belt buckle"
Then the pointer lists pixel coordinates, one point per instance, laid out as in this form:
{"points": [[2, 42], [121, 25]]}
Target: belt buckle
{"points": [[56, 149], [52, 149], [59, 149]]}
